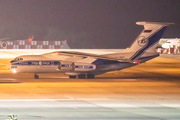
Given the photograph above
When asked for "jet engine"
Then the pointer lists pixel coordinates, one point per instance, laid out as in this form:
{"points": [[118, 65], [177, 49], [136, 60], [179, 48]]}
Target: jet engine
{"points": [[71, 66], [66, 66]]}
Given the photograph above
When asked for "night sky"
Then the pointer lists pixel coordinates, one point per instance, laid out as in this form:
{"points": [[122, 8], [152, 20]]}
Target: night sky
{"points": [[85, 23]]}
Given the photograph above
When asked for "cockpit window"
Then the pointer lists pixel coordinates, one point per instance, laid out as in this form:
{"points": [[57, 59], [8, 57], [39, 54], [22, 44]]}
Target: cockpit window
{"points": [[17, 59]]}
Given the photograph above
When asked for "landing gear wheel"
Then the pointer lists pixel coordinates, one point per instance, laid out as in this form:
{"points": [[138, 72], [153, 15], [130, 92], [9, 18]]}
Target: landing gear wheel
{"points": [[90, 76], [81, 76], [36, 76], [71, 76]]}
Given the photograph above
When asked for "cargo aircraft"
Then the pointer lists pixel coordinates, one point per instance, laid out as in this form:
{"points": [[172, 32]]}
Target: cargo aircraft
{"points": [[88, 63]]}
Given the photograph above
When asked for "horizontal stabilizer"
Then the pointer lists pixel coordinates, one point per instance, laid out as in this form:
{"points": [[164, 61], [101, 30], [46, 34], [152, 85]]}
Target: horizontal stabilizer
{"points": [[154, 23]]}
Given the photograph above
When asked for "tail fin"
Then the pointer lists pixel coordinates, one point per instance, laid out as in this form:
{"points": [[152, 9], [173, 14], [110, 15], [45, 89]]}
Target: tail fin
{"points": [[64, 45], [147, 40]]}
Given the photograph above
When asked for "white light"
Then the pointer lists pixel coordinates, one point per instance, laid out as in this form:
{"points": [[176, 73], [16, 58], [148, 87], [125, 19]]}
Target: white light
{"points": [[14, 71], [136, 62]]}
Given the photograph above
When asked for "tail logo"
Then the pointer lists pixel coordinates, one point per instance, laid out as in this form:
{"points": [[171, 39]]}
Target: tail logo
{"points": [[142, 41]]}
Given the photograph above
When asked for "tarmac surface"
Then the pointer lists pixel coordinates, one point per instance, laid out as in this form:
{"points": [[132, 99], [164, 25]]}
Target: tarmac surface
{"points": [[148, 91]]}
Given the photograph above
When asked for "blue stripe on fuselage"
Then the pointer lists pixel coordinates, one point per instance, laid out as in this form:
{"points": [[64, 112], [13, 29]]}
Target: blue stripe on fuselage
{"points": [[35, 62], [102, 61], [47, 63]]}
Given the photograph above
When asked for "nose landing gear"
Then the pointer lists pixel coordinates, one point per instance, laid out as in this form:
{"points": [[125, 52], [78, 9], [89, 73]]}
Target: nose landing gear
{"points": [[36, 76]]}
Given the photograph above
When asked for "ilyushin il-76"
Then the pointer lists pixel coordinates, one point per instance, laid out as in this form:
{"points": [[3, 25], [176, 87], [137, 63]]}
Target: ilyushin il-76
{"points": [[88, 63]]}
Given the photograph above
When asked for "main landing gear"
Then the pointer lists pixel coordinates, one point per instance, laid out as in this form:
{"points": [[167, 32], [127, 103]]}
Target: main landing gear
{"points": [[91, 76], [82, 76], [71, 76], [36, 76]]}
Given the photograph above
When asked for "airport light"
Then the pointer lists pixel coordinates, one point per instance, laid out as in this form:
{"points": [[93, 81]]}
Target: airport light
{"points": [[136, 62], [14, 71], [30, 39]]}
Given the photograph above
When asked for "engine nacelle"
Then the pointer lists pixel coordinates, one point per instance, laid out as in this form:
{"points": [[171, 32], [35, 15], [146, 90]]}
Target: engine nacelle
{"points": [[66, 66], [84, 67], [71, 66]]}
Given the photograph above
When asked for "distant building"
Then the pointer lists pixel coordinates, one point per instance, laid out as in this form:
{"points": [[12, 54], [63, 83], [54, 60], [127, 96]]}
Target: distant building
{"points": [[170, 45], [26, 44]]}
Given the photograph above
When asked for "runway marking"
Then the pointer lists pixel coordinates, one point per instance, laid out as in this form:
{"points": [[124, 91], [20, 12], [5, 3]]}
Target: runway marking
{"points": [[171, 105], [29, 100], [106, 103], [60, 77], [130, 79], [69, 97], [10, 79]]}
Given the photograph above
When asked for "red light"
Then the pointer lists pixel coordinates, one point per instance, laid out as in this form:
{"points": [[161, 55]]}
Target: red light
{"points": [[136, 62], [30, 39]]}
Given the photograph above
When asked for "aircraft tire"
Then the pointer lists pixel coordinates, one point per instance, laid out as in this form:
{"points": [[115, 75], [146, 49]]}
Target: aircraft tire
{"points": [[36, 76], [90, 76], [81, 76], [72, 77]]}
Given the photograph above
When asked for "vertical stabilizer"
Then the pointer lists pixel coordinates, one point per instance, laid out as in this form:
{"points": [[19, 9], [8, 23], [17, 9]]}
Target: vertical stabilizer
{"points": [[147, 40]]}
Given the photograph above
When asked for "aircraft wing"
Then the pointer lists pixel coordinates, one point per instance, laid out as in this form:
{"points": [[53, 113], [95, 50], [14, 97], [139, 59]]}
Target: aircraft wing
{"points": [[86, 55]]}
